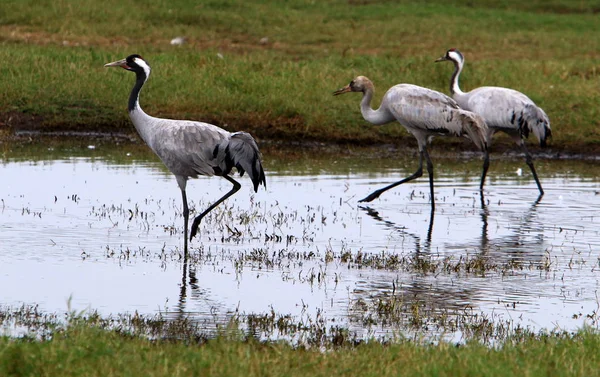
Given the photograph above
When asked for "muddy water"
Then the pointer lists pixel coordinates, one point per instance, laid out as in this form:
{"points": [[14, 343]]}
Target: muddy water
{"points": [[101, 228]]}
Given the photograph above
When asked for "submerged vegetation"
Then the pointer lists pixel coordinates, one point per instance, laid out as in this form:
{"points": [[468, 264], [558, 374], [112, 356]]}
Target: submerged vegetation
{"points": [[270, 67]]}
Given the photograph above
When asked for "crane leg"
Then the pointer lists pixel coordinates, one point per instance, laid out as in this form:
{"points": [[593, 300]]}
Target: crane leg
{"points": [[529, 162], [234, 189], [186, 218], [486, 165], [375, 194]]}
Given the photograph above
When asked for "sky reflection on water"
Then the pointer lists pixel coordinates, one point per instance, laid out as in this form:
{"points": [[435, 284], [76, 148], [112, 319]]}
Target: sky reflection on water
{"points": [[108, 234]]}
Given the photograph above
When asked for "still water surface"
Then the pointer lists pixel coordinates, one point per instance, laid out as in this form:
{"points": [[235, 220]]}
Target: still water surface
{"points": [[103, 229]]}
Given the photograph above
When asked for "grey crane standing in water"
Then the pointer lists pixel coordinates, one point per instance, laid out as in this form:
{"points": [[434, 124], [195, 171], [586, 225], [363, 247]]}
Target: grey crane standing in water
{"points": [[424, 113], [189, 148], [504, 110]]}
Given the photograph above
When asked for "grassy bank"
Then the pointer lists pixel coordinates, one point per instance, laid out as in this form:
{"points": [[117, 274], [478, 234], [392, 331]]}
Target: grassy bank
{"points": [[78, 344], [270, 67], [83, 350]]}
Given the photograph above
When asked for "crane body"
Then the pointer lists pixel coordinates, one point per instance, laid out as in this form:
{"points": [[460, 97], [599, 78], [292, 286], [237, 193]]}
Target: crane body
{"points": [[191, 149]]}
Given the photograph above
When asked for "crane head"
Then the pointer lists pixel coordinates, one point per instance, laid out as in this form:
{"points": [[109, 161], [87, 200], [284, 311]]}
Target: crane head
{"points": [[131, 63], [357, 85], [452, 55]]}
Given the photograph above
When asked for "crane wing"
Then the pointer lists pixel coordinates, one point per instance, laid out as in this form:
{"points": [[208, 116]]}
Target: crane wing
{"points": [[509, 110], [188, 148], [426, 111]]}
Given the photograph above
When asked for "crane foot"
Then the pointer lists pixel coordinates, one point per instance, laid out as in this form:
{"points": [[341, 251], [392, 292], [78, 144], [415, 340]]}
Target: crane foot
{"points": [[371, 197], [194, 229]]}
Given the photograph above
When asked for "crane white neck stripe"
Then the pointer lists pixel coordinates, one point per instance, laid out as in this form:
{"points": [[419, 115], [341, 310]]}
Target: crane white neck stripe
{"points": [[144, 65], [456, 56]]}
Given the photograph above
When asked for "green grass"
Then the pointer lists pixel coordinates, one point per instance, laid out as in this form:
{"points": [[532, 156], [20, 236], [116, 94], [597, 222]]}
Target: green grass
{"points": [[83, 350], [53, 77]]}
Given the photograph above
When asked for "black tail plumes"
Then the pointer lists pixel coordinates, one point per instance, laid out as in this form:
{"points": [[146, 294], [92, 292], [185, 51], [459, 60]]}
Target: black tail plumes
{"points": [[242, 152], [547, 134]]}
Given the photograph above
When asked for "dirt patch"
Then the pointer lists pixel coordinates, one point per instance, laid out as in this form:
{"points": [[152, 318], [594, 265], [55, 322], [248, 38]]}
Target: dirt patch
{"points": [[239, 44], [12, 121]]}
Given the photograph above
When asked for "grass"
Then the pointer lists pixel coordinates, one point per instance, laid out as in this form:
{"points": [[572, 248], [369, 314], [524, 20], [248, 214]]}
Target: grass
{"points": [[83, 348], [75, 344], [227, 73], [281, 88]]}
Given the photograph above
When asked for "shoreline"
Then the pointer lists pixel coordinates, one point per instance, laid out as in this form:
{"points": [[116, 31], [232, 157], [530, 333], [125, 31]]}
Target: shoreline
{"points": [[441, 147]]}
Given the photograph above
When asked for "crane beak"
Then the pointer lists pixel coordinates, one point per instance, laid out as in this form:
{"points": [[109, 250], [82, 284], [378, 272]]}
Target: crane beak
{"points": [[343, 90], [119, 63], [443, 58]]}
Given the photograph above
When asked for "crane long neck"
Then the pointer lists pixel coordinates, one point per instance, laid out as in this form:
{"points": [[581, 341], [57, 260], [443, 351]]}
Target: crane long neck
{"points": [[454, 88], [376, 117], [143, 123], [134, 97]]}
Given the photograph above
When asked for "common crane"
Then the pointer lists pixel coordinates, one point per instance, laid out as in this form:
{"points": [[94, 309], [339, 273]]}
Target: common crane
{"points": [[190, 149], [504, 110]]}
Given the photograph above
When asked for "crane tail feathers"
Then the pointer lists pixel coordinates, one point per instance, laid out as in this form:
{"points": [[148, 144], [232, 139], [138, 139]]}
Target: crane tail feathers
{"points": [[541, 129], [534, 120], [476, 129], [242, 152]]}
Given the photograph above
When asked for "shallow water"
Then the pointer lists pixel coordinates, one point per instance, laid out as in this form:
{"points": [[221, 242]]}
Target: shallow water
{"points": [[101, 228]]}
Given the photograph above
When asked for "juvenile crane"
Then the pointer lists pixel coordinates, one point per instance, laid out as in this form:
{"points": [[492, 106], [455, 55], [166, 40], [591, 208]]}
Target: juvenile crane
{"points": [[189, 149], [504, 110], [424, 113]]}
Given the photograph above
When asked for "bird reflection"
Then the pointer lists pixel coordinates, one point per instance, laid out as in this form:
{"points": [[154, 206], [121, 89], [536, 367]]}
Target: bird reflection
{"points": [[183, 289], [442, 293], [521, 230], [403, 294], [515, 239], [393, 226], [485, 212], [187, 270]]}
